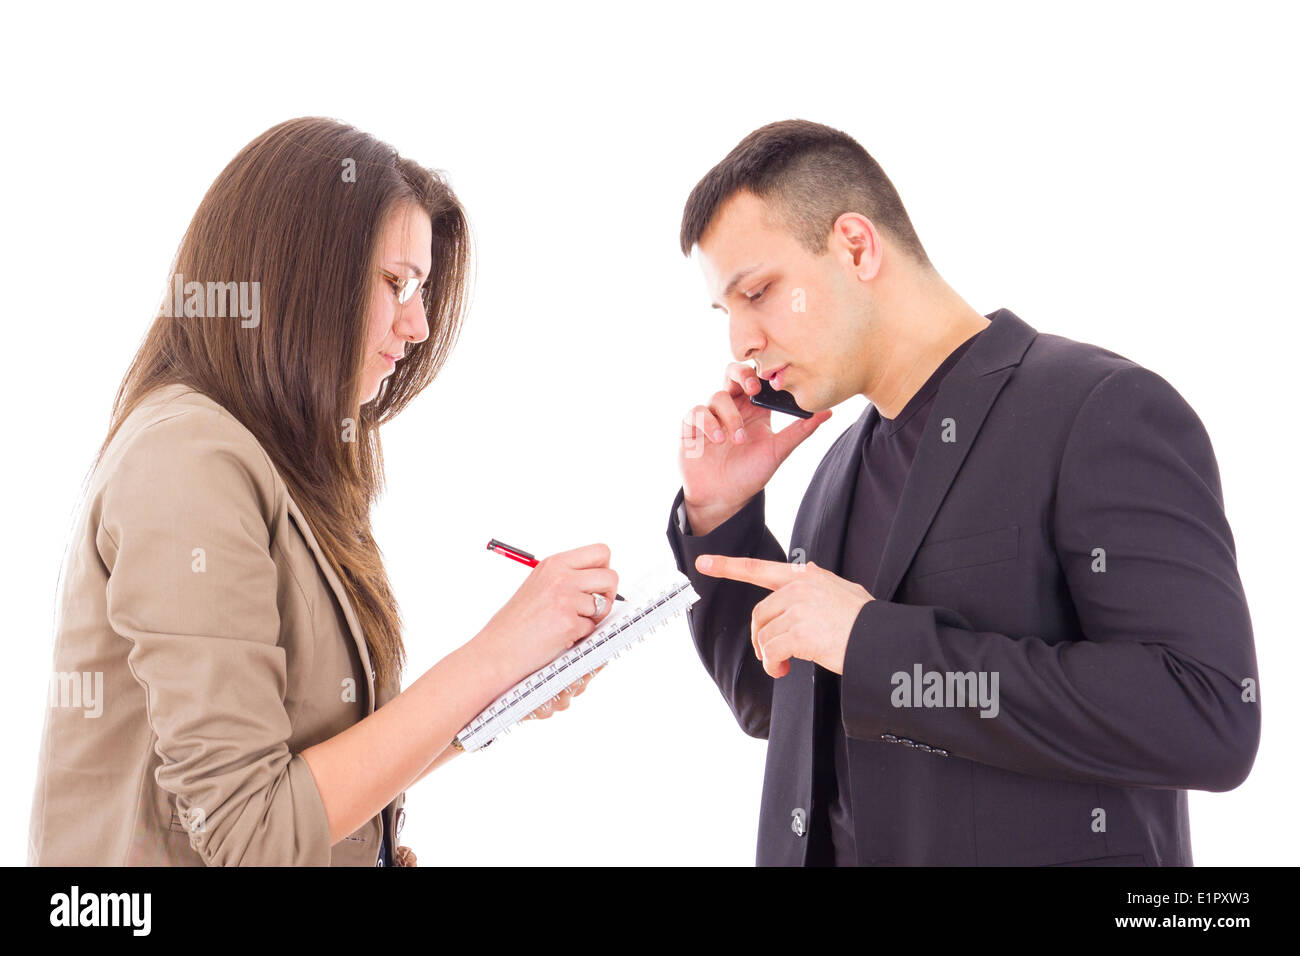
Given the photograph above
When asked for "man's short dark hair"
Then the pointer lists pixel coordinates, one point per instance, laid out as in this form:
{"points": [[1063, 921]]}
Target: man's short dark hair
{"points": [[810, 174]]}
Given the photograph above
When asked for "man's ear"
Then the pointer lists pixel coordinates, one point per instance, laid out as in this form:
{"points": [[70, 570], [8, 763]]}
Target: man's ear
{"points": [[857, 235]]}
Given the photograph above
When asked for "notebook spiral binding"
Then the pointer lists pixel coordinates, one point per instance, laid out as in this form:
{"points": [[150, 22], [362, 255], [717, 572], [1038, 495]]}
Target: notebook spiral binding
{"points": [[604, 644]]}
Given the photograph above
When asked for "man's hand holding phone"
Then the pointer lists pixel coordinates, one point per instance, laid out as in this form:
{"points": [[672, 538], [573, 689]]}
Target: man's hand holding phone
{"points": [[729, 451]]}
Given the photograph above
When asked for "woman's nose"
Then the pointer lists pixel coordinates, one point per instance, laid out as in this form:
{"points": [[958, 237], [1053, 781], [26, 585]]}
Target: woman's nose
{"points": [[412, 324]]}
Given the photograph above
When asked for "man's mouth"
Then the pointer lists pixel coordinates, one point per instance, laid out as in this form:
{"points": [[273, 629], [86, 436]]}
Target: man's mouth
{"points": [[777, 377]]}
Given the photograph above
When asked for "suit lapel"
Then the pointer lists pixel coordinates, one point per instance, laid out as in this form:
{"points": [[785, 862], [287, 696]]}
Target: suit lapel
{"points": [[965, 396], [354, 627], [822, 525]]}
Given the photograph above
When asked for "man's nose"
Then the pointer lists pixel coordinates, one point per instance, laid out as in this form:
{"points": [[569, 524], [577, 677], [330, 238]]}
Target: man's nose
{"points": [[746, 341]]}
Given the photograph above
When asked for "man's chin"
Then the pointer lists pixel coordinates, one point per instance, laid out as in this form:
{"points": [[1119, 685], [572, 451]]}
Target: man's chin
{"points": [[808, 402], [820, 401]]}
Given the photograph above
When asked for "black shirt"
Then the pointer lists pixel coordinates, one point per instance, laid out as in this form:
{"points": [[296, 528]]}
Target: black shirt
{"points": [[383, 842], [887, 453]]}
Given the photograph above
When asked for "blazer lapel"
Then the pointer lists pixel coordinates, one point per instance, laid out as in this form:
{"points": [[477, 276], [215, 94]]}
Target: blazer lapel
{"points": [[822, 525], [354, 627], [965, 396]]}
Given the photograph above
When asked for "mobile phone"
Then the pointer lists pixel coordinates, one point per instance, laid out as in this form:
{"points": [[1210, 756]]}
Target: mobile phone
{"points": [[778, 401]]}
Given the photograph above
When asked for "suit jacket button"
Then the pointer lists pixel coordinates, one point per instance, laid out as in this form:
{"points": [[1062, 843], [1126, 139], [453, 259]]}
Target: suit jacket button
{"points": [[797, 821]]}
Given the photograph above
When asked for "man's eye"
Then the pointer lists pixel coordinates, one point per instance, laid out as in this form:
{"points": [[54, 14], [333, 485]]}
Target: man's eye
{"points": [[759, 294]]}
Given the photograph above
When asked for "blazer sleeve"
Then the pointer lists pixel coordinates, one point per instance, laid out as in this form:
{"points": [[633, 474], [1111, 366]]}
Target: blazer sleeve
{"points": [[1159, 692], [720, 620], [192, 586]]}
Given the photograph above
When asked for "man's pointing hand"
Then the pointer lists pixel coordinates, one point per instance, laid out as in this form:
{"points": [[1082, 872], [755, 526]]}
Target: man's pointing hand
{"points": [[808, 615]]}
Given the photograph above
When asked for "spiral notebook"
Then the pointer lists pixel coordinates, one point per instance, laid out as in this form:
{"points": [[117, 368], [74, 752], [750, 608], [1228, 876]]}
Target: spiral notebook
{"points": [[620, 630]]}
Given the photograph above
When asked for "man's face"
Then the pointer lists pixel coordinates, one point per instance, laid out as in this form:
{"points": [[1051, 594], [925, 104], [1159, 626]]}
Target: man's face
{"points": [[801, 316]]}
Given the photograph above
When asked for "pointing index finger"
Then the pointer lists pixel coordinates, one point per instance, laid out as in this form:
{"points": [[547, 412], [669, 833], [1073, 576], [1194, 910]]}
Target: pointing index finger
{"points": [[766, 574]]}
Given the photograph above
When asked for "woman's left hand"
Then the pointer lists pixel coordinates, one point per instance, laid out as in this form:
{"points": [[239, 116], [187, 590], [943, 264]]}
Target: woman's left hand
{"points": [[404, 856], [565, 697]]}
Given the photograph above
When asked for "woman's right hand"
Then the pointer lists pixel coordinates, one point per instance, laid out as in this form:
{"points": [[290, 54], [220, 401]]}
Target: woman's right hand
{"points": [[552, 610]]}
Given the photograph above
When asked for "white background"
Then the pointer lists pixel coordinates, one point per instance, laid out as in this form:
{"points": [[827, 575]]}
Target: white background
{"points": [[1118, 173]]}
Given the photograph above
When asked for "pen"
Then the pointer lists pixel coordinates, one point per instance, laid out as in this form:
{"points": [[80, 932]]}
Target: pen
{"points": [[523, 557]]}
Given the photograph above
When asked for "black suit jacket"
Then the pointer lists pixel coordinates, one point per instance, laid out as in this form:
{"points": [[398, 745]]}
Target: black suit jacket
{"points": [[1118, 689]]}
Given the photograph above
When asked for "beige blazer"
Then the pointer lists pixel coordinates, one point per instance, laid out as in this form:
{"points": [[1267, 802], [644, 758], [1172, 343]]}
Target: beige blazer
{"points": [[202, 642]]}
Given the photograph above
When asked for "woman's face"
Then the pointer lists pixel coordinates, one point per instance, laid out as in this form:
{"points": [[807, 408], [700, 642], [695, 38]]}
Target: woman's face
{"points": [[404, 250]]}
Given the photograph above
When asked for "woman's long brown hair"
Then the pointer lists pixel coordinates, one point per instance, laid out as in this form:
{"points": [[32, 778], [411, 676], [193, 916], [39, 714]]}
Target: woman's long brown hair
{"points": [[299, 211]]}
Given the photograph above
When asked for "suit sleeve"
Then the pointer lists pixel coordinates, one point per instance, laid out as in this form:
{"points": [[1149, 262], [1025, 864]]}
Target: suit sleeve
{"points": [[720, 619], [192, 587], [1157, 693]]}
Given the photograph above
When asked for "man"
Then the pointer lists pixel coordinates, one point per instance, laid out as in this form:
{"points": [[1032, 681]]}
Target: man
{"points": [[1011, 628]]}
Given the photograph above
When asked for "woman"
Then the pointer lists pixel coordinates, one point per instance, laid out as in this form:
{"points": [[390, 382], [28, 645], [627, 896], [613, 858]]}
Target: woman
{"points": [[226, 622]]}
